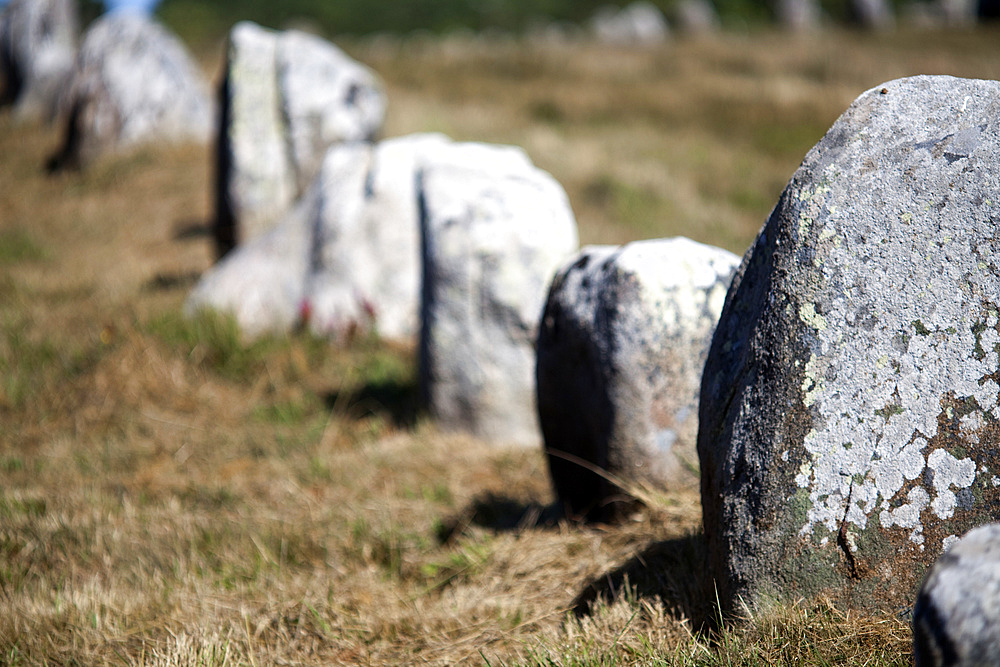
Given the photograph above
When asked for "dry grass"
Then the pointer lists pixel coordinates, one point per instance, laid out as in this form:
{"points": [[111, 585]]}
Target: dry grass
{"points": [[172, 496]]}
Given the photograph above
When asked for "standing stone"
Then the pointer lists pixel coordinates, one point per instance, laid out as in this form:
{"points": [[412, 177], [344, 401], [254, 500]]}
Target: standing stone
{"points": [[622, 344], [849, 418], [366, 268], [956, 620], [495, 229], [286, 98], [37, 52], [344, 260], [873, 14], [638, 24], [696, 17], [134, 83], [798, 15]]}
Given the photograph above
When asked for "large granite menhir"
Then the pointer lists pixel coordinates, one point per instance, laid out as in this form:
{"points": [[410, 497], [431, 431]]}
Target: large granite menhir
{"points": [[849, 417], [495, 230], [286, 97], [621, 348]]}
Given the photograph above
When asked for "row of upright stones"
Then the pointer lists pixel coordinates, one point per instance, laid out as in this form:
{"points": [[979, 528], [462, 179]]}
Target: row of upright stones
{"points": [[845, 408], [127, 82]]}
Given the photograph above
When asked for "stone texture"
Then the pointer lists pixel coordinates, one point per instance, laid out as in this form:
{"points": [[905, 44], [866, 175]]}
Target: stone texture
{"points": [[344, 260], [957, 614], [37, 52], [286, 98], [622, 344], [495, 229], [849, 414], [134, 83], [638, 24]]}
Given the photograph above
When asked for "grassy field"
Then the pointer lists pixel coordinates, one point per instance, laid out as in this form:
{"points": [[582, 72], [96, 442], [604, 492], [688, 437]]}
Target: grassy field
{"points": [[171, 495]]}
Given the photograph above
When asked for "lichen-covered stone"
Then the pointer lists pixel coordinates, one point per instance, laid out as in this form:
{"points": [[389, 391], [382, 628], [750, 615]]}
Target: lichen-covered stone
{"points": [[344, 260], [134, 83], [495, 229], [849, 412], [957, 614], [286, 98], [621, 348], [37, 52]]}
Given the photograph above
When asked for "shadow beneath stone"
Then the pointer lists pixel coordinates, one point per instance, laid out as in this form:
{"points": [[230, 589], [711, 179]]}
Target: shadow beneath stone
{"points": [[671, 570], [501, 514], [399, 401], [187, 230], [163, 282]]}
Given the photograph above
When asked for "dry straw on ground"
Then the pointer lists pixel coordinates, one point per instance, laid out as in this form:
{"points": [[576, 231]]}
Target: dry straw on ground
{"points": [[171, 495]]}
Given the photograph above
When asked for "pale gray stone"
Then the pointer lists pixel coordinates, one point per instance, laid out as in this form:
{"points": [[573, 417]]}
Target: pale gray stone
{"points": [[956, 619], [849, 405], [638, 24], [366, 271], [286, 98], [38, 41], [873, 14], [495, 229], [134, 83], [622, 344], [696, 17], [798, 15], [345, 260]]}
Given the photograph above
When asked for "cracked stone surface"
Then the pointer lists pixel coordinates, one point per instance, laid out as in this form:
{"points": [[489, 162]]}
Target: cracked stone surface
{"points": [[622, 345], [849, 410]]}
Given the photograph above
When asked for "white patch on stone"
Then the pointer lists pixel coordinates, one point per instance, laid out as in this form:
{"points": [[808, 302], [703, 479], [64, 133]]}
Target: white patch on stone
{"points": [[948, 542]]}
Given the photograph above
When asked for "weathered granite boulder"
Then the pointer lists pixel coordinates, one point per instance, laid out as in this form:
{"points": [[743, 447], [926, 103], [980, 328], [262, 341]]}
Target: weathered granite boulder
{"points": [[495, 229], [286, 98], [37, 52], [621, 348], [134, 83], [345, 259], [957, 614], [638, 24], [798, 15], [849, 418]]}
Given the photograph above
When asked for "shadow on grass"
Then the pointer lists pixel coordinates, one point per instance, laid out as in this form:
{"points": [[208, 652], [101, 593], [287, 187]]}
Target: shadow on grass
{"points": [[399, 401], [671, 570], [163, 282], [499, 513], [187, 230]]}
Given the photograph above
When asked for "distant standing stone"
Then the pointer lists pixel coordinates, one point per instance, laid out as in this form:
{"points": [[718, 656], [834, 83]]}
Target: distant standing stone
{"points": [[495, 229], [38, 40], [798, 15], [134, 83], [956, 620], [622, 344], [696, 17], [638, 24], [286, 98], [849, 408]]}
